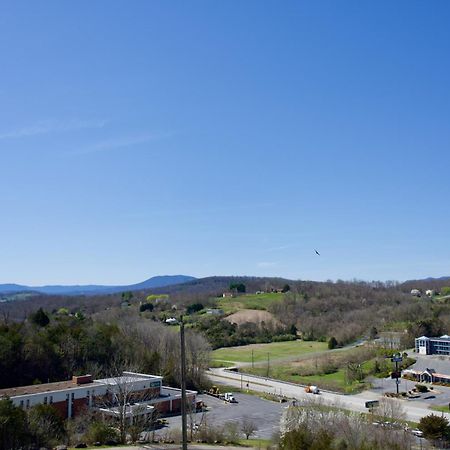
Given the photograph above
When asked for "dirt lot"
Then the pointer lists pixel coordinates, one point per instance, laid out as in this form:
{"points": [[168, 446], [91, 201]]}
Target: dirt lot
{"points": [[254, 316]]}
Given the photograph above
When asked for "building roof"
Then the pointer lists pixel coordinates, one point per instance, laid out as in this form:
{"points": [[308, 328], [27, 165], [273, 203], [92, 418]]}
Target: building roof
{"points": [[69, 385], [128, 378], [42, 388], [443, 338]]}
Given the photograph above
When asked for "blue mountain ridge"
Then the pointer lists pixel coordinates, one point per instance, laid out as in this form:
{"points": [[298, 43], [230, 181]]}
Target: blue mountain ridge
{"points": [[94, 289]]}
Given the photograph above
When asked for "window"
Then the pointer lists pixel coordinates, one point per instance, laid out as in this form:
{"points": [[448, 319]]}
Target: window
{"points": [[51, 399], [21, 403], [28, 404], [45, 400]]}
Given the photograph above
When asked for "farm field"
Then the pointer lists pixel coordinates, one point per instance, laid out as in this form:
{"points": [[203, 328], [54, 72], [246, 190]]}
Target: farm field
{"points": [[248, 301], [276, 350]]}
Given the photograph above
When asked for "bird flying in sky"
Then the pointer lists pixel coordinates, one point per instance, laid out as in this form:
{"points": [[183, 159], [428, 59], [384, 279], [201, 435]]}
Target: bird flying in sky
{"points": [[317, 253]]}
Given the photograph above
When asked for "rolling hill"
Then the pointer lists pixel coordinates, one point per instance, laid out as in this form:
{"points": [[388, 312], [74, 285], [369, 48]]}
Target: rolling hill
{"points": [[93, 289]]}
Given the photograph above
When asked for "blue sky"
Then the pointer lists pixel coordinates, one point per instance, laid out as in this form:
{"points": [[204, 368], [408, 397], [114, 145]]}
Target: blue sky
{"points": [[224, 138]]}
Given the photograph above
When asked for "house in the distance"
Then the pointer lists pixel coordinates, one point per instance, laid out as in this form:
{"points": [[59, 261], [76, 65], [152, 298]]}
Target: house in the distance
{"points": [[131, 389], [171, 321]]}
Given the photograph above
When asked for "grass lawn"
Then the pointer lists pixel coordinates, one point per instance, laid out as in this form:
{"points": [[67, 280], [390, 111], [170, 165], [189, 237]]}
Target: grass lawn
{"points": [[335, 381], [276, 350], [444, 408], [248, 301], [255, 443]]}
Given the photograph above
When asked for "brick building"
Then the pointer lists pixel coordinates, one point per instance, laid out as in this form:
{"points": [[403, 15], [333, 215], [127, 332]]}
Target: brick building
{"points": [[138, 391]]}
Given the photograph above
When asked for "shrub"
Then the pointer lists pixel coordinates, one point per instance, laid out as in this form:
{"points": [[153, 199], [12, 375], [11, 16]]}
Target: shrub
{"points": [[193, 308], [146, 307], [100, 432], [332, 343], [434, 427], [421, 388]]}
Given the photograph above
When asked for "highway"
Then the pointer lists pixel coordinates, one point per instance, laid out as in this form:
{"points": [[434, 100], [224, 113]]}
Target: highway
{"points": [[414, 411]]}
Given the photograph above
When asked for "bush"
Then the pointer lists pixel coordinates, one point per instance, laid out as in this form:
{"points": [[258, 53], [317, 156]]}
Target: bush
{"points": [[434, 427], [13, 429], [193, 308], [332, 343], [421, 388], [146, 307], [100, 432], [46, 425]]}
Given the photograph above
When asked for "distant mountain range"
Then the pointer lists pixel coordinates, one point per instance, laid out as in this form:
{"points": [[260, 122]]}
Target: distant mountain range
{"points": [[93, 289]]}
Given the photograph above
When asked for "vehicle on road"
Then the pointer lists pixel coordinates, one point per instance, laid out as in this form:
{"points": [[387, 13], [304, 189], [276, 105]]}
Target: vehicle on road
{"points": [[312, 390]]}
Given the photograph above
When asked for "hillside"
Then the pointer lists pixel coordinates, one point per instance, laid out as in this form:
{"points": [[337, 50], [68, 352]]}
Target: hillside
{"points": [[154, 282]]}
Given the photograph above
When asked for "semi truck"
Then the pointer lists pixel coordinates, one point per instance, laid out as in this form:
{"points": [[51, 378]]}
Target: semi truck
{"points": [[228, 396]]}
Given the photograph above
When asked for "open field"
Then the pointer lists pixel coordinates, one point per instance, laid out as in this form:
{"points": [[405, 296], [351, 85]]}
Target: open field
{"points": [[342, 371], [276, 350], [248, 301], [336, 381]]}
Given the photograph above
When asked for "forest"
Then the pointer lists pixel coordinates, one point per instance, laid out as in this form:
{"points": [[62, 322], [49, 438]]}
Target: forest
{"points": [[50, 338], [52, 347]]}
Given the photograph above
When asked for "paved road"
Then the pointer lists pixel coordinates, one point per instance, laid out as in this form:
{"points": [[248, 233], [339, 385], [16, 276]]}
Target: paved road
{"points": [[414, 410]]}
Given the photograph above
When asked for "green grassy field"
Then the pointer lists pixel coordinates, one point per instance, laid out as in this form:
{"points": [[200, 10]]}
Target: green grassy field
{"points": [[444, 408], [248, 301], [335, 381], [276, 350], [255, 443]]}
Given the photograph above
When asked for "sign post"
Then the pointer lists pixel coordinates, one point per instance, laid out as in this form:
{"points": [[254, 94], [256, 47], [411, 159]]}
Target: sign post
{"points": [[397, 358]]}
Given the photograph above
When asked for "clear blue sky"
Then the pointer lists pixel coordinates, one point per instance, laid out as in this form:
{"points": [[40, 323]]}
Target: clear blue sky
{"points": [[223, 138]]}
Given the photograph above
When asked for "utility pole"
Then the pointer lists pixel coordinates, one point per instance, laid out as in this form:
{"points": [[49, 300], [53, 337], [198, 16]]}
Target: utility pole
{"points": [[268, 364], [183, 386], [252, 360]]}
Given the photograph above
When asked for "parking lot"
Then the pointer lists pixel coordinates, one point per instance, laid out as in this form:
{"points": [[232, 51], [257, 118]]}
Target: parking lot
{"points": [[266, 414], [439, 395]]}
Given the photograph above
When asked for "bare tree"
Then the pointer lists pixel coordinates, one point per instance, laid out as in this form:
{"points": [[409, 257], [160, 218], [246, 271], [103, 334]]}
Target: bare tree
{"points": [[248, 427], [390, 409], [125, 404]]}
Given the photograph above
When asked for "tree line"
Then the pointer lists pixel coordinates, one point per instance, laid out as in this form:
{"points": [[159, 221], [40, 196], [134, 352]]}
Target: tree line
{"points": [[51, 347]]}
